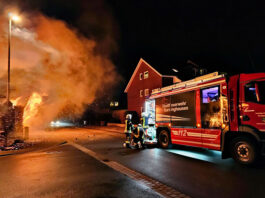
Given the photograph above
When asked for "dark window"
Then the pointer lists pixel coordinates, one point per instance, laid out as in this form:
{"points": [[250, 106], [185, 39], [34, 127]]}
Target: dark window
{"points": [[141, 76], [146, 74], [250, 92]]}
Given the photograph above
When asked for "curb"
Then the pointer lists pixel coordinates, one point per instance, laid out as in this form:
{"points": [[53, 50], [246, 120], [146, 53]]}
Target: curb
{"points": [[158, 187]]}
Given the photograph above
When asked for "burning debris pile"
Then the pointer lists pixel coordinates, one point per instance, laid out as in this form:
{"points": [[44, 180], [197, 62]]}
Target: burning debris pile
{"points": [[31, 109], [52, 68], [16, 145]]}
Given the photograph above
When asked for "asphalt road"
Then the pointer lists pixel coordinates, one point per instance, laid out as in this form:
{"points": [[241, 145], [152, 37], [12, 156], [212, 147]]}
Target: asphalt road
{"points": [[199, 173], [65, 171]]}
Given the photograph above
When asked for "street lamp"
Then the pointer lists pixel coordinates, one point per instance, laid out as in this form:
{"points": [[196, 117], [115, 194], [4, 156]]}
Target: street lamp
{"points": [[175, 70], [15, 18], [7, 118]]}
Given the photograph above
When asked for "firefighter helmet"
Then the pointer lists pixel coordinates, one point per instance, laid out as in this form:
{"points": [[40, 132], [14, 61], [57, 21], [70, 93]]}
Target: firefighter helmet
{"points": [[129, 116]]}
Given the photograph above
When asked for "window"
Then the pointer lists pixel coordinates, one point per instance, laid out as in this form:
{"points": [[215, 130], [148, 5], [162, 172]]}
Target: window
{"points": [[210, 95], [250, 92], [254, 92], [146, 92], [211, 115], [141, 76], [146, 74], [141, 93]]}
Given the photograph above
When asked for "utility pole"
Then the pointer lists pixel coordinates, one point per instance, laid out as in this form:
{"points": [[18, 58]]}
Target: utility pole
{"points": [[8, 62], [8, 114]]}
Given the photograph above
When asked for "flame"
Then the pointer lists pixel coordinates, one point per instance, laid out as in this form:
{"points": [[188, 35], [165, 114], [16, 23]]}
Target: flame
{"points": [[32, 108], [215, 121], [15, 101], [44, 59]]}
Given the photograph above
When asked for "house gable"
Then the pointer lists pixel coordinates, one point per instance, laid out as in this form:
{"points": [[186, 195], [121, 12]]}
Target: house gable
{"points": [[141, 63]]}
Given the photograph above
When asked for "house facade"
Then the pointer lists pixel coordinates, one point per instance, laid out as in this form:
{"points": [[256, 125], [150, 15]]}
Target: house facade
{"points": [[144, 79]]}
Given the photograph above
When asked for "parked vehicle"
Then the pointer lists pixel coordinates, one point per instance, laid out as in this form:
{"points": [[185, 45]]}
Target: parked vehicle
{"points": [[213, 112]]}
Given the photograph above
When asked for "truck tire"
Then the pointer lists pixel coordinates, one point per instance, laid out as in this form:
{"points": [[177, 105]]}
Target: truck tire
{"points": [[244, 151], [164, 139]]}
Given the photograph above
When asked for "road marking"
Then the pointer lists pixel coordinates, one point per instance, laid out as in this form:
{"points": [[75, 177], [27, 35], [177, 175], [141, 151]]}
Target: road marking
{"points": [[157, 186]]}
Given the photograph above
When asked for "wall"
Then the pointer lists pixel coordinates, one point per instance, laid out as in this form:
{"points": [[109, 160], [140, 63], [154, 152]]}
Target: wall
{"points": [[154, 80]]}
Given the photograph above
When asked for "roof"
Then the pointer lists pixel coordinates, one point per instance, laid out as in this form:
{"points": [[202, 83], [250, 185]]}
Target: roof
{"points": [[251, 76], [136, 70]]}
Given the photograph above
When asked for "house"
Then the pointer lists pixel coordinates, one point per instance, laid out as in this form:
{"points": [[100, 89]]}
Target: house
{"points": [[144, 79]]}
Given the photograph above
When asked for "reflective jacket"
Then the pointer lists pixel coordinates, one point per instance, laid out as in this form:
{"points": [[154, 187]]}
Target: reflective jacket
{"points": [[128, 126], [145, 122], [138, 132]]}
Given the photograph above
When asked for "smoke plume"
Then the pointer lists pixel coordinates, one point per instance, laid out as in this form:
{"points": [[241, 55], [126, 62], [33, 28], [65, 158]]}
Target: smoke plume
{"points": [[52, 59]]}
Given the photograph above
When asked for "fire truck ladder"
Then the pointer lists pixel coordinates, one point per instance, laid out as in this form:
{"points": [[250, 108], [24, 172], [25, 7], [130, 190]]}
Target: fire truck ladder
{"points": [[189, 83]]}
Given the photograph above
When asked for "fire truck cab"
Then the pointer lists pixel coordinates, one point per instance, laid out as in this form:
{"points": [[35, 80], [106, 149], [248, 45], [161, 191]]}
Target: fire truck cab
{"points": [[213, 112]]}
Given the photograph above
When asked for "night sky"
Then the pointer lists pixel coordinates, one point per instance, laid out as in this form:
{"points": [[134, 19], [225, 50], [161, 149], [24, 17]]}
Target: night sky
{"points": [[226, 36], [216, 35]]}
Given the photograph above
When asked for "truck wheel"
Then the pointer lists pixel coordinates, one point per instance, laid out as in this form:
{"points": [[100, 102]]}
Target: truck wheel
{"points": [[244, 151], [164, 139]]}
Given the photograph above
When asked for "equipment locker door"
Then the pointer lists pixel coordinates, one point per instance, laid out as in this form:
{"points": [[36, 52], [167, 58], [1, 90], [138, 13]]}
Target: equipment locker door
{"points": [[183, 120], [211, 117]]}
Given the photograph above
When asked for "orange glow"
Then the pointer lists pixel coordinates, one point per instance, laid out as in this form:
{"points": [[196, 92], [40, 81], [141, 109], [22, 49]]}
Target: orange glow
{"points": [[32, 108], [15, 101], [14, 17], [169, 124], [43, 60], [215, 121], [199, 125]]}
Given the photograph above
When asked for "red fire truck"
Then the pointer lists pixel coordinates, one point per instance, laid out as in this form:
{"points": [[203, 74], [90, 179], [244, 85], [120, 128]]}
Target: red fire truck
{"points": [[213, 112]]}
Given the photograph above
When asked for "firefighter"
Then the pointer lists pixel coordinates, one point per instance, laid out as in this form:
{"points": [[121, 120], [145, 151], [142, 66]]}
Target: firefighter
{"points": [[138, 134], [144, 120], [128, 130]]}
